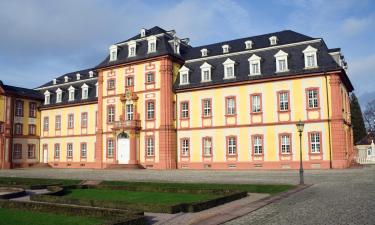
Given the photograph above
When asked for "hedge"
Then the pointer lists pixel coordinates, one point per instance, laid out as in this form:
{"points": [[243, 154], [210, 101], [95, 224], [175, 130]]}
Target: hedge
{"points": [[116, 216]]}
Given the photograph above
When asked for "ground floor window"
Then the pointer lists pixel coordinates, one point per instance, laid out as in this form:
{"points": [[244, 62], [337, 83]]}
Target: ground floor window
{"points": [[83, 150], [57, 151], [315, 142], [258, 145], [110, 148], [185, 147], [285, 143], [69, 150], [231, 145], [150, 146], [31, 151], [207, 146], [17, 151]]}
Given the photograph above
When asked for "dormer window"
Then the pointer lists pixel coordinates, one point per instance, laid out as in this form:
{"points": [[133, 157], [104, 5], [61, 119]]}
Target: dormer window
{"points": [[184, 75], [71, 90], [254, 63], [176, 45], [151, 44], [281, 61], [273, 40], [225, 48], [229, 69], [205, 72], [249, 44], [47, 97], [91, 74], [85, 91], [310, 57], [66, 79], [132, 48], [143, 32], [204, 52], [113, 53], [58, 95], [78, 76]]}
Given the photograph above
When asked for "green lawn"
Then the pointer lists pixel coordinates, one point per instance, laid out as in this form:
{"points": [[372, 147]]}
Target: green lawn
{"points": [[166, 198], [255, 188], [18, 217], [20, 181]]}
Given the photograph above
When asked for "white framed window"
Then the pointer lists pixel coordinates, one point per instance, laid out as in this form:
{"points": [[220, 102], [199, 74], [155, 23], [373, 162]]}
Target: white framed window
{"points": [[110, 148], [184, 110], [129, 111], [207, 107], [83, 150], [111, 114], [132, 48], [129, 81], [71, 93], [58, 95], [57, 122], [254, 63], [232, 145], [150, 146], [17, 151], [284, 101], [151, 44], [71, 121], [310, 57], [45, 123], [225, 48], [205, 72], [57, 150], [315, 142], [69, 150], [281, 61], [151, 110], [248, 44], [84, 119], [85, 91], [273, 40], [207, 146], [150, 77], [204, 52], [185, 147], [255, 103], [19, 108], [231, 106], [229, 69], [285, 143], [313, 99], [184, 75], [258, 145], [113, 53], [47, 97]]}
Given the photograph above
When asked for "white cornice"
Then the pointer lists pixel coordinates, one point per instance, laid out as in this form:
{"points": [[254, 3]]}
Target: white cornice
{"points": [[64, 84], [252, 50]]}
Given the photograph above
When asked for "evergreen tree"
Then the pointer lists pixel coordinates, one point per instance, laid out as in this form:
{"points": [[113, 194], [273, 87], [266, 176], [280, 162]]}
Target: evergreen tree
{"points": [[359, 129]]}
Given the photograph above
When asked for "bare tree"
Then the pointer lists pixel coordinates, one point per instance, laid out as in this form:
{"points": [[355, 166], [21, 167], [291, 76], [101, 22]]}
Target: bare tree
{"points": [[369, 116]]}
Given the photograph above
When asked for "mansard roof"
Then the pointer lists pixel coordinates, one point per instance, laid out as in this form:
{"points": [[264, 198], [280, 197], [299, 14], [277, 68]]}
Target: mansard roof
{"points": [[85, 74], [21, 92]]}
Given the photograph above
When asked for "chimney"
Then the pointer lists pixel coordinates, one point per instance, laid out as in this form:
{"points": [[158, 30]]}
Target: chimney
{"points": [[78, 76], [143, 32], [54, 81]]}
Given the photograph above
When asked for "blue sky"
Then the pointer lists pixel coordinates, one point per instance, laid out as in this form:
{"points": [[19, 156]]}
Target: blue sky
{"points": [[43, 39]]}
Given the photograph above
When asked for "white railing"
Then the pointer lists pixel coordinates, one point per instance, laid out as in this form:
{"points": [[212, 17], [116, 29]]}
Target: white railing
{"points": [[367, 160]]}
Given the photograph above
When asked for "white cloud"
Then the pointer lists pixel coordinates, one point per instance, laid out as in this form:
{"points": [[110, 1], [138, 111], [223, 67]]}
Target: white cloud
{"points": [[361, 71]]}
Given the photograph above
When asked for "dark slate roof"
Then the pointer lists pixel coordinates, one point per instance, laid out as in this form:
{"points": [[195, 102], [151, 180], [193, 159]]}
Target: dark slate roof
{"points": [[237, 45], [153, 31], [163, 47], [334, 50], [367, 139], [268, 62], [78, 93], [72, 77], [21, 92]]}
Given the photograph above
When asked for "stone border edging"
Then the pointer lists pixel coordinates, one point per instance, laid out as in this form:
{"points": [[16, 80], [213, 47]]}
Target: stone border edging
{"points": [[244, 210]]}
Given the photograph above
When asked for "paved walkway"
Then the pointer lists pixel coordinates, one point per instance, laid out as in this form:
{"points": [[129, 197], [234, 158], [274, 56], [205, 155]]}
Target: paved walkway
{"points": [[337, 196]]}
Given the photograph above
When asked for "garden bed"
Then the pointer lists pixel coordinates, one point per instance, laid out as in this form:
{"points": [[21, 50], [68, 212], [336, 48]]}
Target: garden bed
{"points": [[161, 200], [13, 212]]}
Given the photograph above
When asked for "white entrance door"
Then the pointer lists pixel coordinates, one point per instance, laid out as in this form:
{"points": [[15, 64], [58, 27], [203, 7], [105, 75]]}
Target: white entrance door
{"points": [[123, 150], [45, 155]]}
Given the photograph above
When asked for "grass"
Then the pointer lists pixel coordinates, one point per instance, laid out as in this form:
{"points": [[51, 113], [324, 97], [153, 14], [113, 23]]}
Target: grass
{"points": [[254, 188], [17, 217], [19, 181], [166, 198]]}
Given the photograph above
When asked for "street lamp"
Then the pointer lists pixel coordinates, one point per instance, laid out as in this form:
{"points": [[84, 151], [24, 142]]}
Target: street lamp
{"points": [[300, 126]]}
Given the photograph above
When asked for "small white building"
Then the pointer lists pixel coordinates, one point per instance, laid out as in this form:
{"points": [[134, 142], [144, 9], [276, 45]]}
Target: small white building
{"points": [[366, 150]]}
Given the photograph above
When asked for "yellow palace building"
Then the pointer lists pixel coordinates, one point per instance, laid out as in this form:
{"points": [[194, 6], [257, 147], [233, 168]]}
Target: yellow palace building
{"points": [[157, 102]]}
